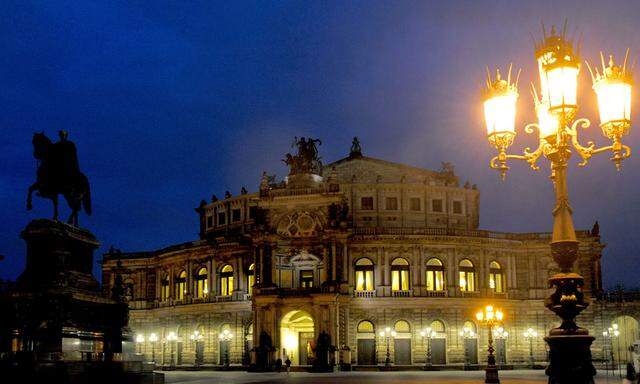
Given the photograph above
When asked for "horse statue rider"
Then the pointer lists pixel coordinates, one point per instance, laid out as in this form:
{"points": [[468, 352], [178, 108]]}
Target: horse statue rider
{"points": [[307, 159], [59, 173]]}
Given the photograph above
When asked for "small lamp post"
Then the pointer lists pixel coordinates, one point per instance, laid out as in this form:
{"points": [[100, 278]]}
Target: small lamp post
{"points": [[490, 316], [531, 334], [196, 337], [171, 338], [226, 336], [467, 333], [139, 341], [608, 335], [387, 334], [427, 334], [501, 334], [153, 338]]}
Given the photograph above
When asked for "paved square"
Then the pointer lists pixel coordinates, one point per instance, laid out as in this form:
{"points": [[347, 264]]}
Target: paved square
{"points": [[506, 377]]}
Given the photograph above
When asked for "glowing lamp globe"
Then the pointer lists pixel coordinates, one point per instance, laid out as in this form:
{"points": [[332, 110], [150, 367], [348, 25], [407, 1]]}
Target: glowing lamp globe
{"points": [[613, 90], [500, 97]]}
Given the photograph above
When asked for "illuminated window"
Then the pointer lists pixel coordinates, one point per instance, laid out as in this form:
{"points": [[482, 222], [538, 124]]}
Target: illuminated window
{"points": [[414, 204], [180, 285], [202, 283], [438, 327], [366, 203], [391, 204], [399, 275], [226, 280], [496, 277], [164, 288], [467, 276], [366, 326], [435, 275], [436, 205], [306, 278], [364, 275], [251, 278], [402, 326]]}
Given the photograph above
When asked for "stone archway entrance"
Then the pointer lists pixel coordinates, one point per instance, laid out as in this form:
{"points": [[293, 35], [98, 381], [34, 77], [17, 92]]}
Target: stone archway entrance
{"points": [[297, 337]]}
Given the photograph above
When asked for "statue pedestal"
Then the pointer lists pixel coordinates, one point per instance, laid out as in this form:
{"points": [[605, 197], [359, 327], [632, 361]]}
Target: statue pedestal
{"points": [[570, 359], [56, 326]]}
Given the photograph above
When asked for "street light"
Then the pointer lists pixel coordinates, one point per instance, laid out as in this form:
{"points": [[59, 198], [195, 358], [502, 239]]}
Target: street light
{"points": [[427, 334], [501, 334], [559, 65], [388, 334], [196, 337], [490, 316], [153, 338], [467, 333], [611, 333], [171, 338], [139, 341], [531, 334], [226, 336]]}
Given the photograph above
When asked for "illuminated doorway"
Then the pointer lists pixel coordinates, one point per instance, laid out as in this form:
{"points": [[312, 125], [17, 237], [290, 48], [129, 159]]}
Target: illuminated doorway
{"points": [[297, 337]]}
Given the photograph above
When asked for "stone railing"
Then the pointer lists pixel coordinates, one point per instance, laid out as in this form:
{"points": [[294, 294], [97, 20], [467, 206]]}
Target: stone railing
{"points": [[296, 191], [435, 293], [404, 231], [401, 293], [364, 294]]}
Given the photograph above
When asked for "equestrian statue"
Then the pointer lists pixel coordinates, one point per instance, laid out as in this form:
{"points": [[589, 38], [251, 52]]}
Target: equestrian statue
{"points": [[59, 173]]}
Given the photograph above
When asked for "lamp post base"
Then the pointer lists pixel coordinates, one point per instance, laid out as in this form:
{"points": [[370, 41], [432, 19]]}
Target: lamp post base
{"points": [[570, 359], [491, 374]]}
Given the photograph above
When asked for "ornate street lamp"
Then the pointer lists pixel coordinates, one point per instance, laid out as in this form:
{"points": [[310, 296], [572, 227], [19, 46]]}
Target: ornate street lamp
{"points": [[501, 334], [467, 333], [559, 65], [490, 317], [139, 341], [609, 335], [388, 334], [196, 337], [172, 338], [226, 336], [153, 338], [531, 334], [428, 334]]}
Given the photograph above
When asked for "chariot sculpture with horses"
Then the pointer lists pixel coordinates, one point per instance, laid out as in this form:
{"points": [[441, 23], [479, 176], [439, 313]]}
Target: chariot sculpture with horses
{"points": [[59, 174]]}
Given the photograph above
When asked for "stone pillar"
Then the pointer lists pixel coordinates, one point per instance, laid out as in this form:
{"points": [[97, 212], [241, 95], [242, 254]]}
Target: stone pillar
{"points": [[267, 260], [345, 262], [324, 276], [334, 268], [242, 283]]}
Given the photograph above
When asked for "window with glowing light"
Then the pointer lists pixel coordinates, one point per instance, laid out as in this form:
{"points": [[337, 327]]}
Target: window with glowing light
{"points": [[306, 278], [165, 290], [202, 283], [180, 285], [399, 274], [366, 326], [435, 275], [364, 274], [467, 276], [402, 326], [496, 277], [438, 327], [226, 280], [251, 278]]}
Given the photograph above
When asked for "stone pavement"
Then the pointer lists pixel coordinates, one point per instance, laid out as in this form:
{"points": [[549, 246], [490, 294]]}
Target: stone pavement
{"points": [[506, 377]]}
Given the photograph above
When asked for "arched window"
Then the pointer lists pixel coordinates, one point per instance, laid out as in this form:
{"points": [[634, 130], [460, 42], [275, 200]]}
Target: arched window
{"points": [[180, 285], [438, 327], [164, 288], [226, 280], [435, 275], [467, 276], [364, 274], [470, 328], [202, 283], [402, 326], [399, 274], [496, 280], [251, 279], [365, 326]]}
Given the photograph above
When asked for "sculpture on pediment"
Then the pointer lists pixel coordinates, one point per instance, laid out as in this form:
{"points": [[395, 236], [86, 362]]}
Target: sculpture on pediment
{"points": [[447, 174], [356, 149], [307, 159]]}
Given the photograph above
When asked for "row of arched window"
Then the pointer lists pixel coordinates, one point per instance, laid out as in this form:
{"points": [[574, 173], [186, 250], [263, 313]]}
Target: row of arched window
{"points": [[434, 275], [402, 326], [201, 283]]}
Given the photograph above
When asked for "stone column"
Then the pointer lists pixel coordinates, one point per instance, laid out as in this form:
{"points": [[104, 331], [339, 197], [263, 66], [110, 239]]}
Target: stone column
{"points": [[345, 262], [324, 276], [334, 268], [241, 283]]}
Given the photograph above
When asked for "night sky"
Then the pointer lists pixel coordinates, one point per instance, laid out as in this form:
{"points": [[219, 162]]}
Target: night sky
{"points": [[169, 102]]}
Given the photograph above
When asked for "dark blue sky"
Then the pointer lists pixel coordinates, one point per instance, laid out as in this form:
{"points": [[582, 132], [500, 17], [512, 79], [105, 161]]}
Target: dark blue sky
{"points": [[170, 102]]}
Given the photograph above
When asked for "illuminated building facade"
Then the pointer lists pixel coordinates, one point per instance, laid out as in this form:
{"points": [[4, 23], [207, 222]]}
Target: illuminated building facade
{"points": [[369, 251]]}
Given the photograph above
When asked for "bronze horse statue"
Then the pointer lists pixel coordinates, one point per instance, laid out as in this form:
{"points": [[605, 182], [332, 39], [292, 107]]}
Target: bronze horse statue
{"points": [[58, 173]]}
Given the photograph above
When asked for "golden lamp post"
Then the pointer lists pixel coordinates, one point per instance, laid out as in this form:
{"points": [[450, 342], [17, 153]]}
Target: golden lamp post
{"points": [[490, 317], [556, 106]]}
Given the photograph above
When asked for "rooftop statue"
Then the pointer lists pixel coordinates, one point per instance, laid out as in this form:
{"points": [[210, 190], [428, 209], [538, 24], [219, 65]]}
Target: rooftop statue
{"points": [[307, 159], [59, 173]]}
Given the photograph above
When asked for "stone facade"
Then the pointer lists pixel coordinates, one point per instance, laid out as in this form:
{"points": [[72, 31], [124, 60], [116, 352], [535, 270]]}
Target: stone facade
{"points": [[299, 247]]}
